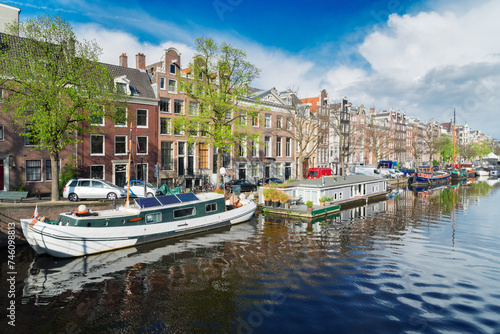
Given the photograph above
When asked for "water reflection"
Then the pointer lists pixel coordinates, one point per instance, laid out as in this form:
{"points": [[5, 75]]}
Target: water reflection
{"points": [[421, 261]]}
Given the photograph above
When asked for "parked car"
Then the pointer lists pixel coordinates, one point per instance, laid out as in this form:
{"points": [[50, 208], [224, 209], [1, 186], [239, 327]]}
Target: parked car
{"points": [[269, 180], [315, 173], [77, 189], [397, 173], [385, 173], [245, 185], [137, 189], [369, 171]]}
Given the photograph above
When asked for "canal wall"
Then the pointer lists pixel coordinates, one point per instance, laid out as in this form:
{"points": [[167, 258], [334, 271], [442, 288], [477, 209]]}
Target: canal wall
{"points": [[13, 213]]}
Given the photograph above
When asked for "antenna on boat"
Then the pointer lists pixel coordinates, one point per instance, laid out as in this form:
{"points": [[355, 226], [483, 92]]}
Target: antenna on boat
{"points": [[453, 162], [128, 166]]}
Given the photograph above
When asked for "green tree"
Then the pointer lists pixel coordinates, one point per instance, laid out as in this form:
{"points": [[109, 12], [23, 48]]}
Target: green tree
{"points": [[54, 85], [219, 75], [444, 146]]}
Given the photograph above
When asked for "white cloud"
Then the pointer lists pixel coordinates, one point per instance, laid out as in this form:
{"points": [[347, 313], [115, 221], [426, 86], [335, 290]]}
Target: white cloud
{"points": [[430, 63], [114, 43]]}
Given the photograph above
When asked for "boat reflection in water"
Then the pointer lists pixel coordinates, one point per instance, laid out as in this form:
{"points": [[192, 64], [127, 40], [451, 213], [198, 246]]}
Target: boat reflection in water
{"points": [[49, 277]]}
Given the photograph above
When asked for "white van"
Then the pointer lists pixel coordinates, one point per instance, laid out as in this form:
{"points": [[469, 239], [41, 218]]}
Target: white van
{"points": [[369, 171]]}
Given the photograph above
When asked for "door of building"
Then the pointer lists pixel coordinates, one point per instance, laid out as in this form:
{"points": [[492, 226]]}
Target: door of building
{"points": [[1, 175], [242, 175], [120, 174]]}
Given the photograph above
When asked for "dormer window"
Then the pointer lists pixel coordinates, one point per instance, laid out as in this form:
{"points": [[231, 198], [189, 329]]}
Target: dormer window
{"points": [[123, 84]]}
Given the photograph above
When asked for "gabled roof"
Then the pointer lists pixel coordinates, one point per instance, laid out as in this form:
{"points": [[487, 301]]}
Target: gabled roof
{"points": [[140, 84]]}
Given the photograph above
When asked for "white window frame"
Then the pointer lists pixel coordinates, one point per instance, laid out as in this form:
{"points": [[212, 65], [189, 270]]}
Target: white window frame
{"points": [[167, 100], [174, 91], [267, 123], [40, 170], [2, 133], [137, 117], [168, 127], [126, 145], [103, 145], [162, 83], [147, 145], [119, 125]]}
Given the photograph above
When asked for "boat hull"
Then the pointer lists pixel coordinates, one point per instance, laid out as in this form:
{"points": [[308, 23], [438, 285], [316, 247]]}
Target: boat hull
{"points": [[73, 241]]}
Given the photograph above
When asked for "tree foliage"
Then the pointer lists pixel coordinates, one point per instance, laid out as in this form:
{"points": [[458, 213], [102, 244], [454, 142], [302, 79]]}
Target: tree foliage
{"points": [[54, 85], [218, 77]]}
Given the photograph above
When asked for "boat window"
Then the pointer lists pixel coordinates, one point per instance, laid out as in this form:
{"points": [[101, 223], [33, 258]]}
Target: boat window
{"points": [[211, 207], [184, 212], [153, 217]]}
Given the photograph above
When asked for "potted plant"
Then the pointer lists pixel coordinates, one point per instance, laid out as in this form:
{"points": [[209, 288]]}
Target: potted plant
{"points": [[275, 197], [309, 205], [284, 200], [267, 192], [322, 200], [328, 200]]}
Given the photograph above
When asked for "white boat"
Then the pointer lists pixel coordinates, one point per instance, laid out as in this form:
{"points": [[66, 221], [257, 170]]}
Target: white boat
{"points": [[482, 172], [494, 172], [82, 232]]}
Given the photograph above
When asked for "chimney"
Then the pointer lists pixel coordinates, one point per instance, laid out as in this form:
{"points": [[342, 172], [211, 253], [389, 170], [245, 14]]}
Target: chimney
{"points": [[140, 61], [123, 60], [372, 110]]}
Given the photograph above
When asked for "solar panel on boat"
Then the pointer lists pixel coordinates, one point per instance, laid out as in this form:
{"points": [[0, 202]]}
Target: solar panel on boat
{"points": [[148, 202], [168, 199], [187, 197]]}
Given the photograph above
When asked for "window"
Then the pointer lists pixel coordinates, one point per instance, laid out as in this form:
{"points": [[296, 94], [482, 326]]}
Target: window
{"points": [[279, 122], [120, 145], [228, 114], [203, 163], [172, 68], [255, 120], [278, 146], [288, 123], [33, 170], [178, 130], [162, 83], [178, 107], [268, 121], [172, 86], [164, 126], [121, 87], [255, 170], [2, 138], [167, 155], [97, 172], [288, 147], [142, 117], [29, 140], [48, 170], [97, 116], [255, 149], [184, 212], [279, 167], [242, 149], [211, 207], [153, 217], [121, 116], [96, 144], [267, 146], [142, 144], [164, 105], [193, 108]]}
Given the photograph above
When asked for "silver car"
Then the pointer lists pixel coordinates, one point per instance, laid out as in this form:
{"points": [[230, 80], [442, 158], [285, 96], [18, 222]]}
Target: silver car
{"points": [[92, 189]]}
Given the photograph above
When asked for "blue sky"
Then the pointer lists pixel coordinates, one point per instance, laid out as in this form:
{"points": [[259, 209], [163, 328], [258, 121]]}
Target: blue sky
{"points": [[421, 57]]}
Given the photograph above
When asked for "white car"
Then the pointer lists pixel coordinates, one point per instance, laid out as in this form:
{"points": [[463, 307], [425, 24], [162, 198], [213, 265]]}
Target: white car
{"points": [[137, 189], [92, 189]]}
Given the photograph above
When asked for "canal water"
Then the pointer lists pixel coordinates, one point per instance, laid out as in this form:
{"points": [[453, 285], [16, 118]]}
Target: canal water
{"points": [[425, 261]]}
